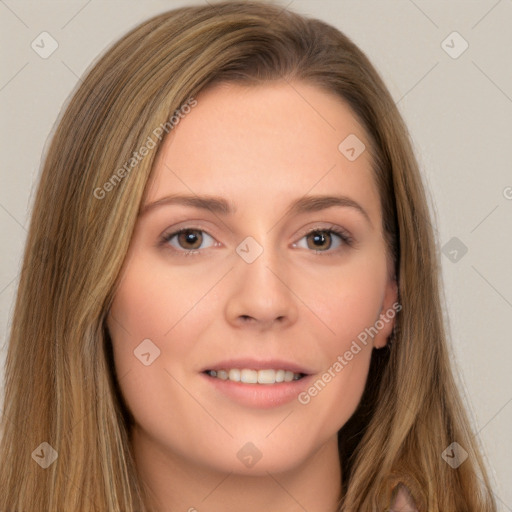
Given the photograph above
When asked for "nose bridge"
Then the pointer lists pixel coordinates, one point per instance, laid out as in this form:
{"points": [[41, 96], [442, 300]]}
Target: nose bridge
{"points": [[260, 290], [260, 263]]}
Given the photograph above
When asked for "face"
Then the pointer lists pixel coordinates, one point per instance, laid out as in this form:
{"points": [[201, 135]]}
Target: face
{"points": [[265, 284]]}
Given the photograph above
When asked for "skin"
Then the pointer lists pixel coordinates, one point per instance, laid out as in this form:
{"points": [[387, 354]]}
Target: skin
{"points": [[260, 148]]}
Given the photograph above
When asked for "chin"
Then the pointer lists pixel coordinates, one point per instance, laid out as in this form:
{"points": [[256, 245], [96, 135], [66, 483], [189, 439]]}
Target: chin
{"points": [[256, 459]]}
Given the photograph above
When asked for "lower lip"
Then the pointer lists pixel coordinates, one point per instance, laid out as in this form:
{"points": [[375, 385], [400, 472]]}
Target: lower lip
{"points": [[262, 396]]}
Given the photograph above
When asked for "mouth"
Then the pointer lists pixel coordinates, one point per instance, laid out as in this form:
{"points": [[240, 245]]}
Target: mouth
{"points": [[251, 376], [255, 383]]}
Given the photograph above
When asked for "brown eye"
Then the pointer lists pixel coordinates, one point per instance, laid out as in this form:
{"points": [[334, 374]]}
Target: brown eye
{"points": [[188, 240], [321, 240], [190, 236]]}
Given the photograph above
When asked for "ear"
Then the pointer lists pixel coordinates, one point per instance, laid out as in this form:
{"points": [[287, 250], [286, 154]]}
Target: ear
{"points": [[388, 312]]}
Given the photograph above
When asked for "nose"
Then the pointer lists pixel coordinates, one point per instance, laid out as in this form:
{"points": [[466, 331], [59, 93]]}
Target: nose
{"points": [[262, 295]]}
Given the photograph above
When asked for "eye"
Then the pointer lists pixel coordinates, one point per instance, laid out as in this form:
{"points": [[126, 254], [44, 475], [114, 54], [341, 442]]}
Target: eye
{"points": [[189, 240], [322, 239]]}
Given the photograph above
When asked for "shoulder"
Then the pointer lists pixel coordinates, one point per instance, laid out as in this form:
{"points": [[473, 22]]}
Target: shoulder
{"points": [[403, 501]]}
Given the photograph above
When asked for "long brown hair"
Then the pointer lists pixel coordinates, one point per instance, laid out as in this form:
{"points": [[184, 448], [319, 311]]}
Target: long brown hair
{"points": [[60, 385]]}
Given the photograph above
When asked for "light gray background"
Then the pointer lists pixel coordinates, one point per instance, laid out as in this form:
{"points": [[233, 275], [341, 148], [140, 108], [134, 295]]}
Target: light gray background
{"points": [[459, 112]]}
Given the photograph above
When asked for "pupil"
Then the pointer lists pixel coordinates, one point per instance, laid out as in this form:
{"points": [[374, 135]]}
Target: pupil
{"points": [[190, 237], [319, 237]]}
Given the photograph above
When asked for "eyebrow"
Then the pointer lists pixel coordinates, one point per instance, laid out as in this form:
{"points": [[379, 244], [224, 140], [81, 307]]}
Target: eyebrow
{"points": [[221, 206]]}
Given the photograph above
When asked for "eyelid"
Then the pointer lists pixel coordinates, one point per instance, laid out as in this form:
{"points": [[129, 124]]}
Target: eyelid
{"points": [[331, 227]]}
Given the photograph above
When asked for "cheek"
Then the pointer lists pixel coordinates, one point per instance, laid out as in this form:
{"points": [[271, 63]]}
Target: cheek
{"points": [[346, 299], [152, 302], [152, 321], [348, 305], [171, 315]]}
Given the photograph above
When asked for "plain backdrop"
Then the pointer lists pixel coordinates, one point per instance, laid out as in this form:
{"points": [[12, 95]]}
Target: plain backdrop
{"points": [[454, 91]]}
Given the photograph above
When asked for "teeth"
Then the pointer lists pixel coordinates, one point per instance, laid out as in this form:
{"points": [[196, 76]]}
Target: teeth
{"points": [[266, 377], [249, 376], [234, 375]]}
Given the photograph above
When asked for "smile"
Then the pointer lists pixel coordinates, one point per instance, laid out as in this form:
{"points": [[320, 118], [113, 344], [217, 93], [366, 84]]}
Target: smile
{"points": [[248, 376]]}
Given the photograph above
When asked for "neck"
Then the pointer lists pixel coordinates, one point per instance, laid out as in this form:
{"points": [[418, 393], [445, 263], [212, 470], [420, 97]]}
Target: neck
{"points": [[173, 483]]}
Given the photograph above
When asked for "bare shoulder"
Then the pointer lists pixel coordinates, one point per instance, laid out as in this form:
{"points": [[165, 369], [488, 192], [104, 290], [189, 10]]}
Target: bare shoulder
{"points": [[403, 501]]}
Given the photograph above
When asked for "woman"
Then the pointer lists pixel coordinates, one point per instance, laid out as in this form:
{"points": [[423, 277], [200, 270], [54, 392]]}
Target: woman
{"points": [[263, 371]]}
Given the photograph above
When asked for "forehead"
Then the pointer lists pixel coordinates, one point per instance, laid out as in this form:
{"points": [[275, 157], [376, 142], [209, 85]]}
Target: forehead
{"points": [[272, 142]]}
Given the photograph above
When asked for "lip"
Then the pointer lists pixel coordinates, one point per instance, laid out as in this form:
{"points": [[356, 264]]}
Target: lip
{"points": [[261, 396], [254, 364]]}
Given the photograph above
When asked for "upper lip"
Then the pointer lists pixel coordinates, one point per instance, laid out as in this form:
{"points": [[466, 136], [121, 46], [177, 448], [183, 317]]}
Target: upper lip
{"points": [[255, 364]]}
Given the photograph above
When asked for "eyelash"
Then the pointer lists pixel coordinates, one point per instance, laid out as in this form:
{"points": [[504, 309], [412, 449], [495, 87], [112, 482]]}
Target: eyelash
{"points": [[342, 234]]}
